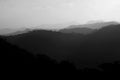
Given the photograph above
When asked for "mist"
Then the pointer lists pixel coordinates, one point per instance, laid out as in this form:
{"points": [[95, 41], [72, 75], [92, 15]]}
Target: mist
{"points": [[31, 13]]}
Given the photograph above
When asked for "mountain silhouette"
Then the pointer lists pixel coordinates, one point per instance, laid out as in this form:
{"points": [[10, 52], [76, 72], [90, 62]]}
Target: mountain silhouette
{"points": [[19, 60], [95, 25], [78, 30], [63, 27], [82, 50], [25, 30], [14, 31], [87, 28], [6, 31]]}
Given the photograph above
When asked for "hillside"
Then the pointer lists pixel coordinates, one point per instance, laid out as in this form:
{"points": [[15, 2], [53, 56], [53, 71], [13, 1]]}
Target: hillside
{"points": [[15, 59], [78, 30], [82, 50], [86, 28]]}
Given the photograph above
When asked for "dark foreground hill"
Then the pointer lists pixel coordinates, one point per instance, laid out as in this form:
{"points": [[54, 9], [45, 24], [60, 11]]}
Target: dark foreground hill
{"points": [[15, 58], [90, 50]]}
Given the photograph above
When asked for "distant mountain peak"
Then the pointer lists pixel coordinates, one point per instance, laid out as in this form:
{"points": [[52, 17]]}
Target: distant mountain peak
{"points": [[87, 28], [94, 24]]}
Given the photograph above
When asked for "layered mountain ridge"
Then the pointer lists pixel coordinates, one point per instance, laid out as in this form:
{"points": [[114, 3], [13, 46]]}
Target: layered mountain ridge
{"points": [[87, 28], [83, 50], [65, 28]]}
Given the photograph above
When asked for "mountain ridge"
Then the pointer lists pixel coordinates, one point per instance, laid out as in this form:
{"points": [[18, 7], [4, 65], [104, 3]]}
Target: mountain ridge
{"points": [[92, 49], [84, 28], [96, 25], [87, 28]]}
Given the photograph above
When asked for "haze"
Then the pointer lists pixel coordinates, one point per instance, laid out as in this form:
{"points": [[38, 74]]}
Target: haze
{"points": [[29, 13]]}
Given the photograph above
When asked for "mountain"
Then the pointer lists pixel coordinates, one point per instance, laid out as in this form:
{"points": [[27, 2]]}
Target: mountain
{"points": [[55, 27], [52, 27], [95, 25], [70, 27], [17, 60], [14, 31], [82, 50], [83, 30], [87, 28], [25, 30], [6, 31]]}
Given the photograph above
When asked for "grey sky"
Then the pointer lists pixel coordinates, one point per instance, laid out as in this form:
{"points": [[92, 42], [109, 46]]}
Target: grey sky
{"points": [[20, 13]]}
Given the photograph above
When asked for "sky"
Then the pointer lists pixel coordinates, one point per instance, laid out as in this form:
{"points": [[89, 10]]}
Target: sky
{"points": [[30, 13]]}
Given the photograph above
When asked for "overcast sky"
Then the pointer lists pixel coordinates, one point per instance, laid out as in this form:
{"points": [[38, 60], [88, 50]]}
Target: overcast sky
{"points": [[20, 13]]}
